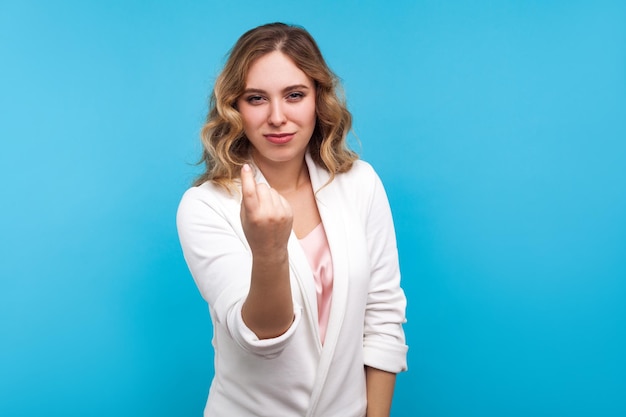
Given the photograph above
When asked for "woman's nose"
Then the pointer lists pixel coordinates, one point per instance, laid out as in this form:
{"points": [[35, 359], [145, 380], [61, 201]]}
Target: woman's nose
{"points": [[276, 116]]}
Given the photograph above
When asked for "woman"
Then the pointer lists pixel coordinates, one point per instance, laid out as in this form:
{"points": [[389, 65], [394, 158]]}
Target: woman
{"points": [[290, 240]]}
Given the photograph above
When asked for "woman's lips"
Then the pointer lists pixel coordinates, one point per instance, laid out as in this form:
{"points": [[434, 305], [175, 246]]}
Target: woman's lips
{"points": [[279, 138]]}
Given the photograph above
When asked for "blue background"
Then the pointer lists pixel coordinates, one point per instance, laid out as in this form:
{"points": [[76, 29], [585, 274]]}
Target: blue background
{"points": [[499, 129]]}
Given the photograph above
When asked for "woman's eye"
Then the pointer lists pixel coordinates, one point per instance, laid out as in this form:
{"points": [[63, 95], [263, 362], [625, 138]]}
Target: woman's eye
{"points": [[295, 96], [254, 99]]}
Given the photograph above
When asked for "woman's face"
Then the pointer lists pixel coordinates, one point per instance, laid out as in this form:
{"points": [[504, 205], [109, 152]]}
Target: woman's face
{"points": [[278, 109]]}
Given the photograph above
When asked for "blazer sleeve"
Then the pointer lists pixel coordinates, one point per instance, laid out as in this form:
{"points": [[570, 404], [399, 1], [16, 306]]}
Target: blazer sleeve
{"points": [[220, 262], [383, 338]]}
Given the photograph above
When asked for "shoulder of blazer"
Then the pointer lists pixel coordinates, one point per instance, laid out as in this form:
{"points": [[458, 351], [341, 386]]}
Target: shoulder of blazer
{"points": [[360, 173], [198, 202]]}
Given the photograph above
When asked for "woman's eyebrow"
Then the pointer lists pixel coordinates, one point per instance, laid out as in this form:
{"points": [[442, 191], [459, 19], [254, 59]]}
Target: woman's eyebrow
{"points": [[296, 87], [288, 88], [253, 90]]}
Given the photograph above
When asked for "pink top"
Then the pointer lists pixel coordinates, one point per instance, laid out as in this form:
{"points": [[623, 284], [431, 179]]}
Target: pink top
{"points": [[316, 248]]}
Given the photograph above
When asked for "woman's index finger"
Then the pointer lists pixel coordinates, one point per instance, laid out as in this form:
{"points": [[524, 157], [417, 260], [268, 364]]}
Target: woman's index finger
{"points": [[248, 187]]}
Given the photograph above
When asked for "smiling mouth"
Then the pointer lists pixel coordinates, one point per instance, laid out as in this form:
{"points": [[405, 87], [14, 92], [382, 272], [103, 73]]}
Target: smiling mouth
{"points": [[279, 138]]}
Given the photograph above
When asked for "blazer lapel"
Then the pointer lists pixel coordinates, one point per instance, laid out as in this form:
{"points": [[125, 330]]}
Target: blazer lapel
{"points": [[301, 271], [330, 208]]}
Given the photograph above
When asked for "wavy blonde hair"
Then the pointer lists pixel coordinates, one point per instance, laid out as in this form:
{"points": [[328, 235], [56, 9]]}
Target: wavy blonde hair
{"points": [[226, 148]]}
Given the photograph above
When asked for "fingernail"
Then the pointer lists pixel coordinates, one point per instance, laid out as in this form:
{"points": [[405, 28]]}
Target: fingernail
{"points": [[246, 167]]}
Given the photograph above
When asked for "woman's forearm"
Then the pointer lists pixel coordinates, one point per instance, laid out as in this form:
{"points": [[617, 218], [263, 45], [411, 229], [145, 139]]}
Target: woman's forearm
{"points": [[380, 386], [266, 219], [268, 309]]}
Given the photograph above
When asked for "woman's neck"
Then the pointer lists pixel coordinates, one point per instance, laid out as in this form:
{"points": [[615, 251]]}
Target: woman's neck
{"points": [[285, 177]]}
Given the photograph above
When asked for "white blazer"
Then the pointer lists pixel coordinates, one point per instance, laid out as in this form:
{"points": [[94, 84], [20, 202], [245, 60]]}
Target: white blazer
{"points": [[293, 374]]}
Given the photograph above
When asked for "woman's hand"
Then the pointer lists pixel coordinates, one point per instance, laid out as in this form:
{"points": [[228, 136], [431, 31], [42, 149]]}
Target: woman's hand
{"points": [[266, 217]]}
